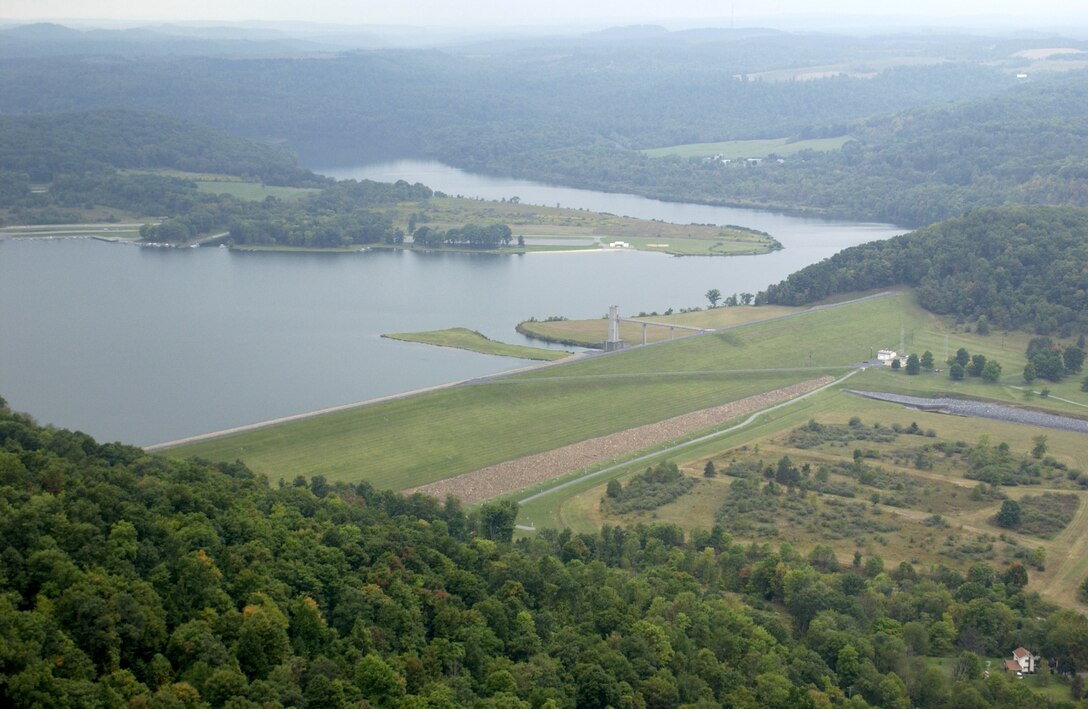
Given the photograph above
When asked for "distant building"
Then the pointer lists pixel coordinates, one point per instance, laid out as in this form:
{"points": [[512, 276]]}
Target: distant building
{"points": [[1022, 661], [619, 245]]}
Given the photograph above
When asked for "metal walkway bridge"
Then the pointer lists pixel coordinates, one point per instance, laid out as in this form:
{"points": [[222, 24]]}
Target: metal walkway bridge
{"points": [[614, 342]]}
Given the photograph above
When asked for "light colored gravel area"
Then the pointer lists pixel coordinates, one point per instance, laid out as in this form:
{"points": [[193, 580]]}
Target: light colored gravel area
{"points": [[981, 409], [503, 478]]}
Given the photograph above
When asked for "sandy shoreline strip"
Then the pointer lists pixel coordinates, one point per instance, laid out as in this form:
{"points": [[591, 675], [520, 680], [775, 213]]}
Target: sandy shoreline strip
{"points": [[512, 475]]}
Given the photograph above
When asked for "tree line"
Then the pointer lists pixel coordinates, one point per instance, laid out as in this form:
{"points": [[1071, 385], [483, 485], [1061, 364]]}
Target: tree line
{"points": [[132, 579], [1019, 267]]}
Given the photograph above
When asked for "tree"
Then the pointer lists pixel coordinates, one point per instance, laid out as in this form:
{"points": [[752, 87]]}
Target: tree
{"points": [[962, 356], [1073, 357], [614, 488], [713, 295], [895, 363], [956, 371], [1037, 345], [847, 666], [913, 364], [978, 363], [982, 325], [1049, 365], [746, 298], [1039, 449], [1009, 515], [992, 371], [1016, 576], [927, 361], [709, 470], [1084, 384], [497, 520], [1029, 373]]}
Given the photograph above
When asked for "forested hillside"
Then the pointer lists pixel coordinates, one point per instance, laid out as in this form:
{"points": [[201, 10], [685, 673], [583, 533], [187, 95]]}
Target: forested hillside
{"points": [[1021, 267], [127, 579], [45, 146], [932, 136]]}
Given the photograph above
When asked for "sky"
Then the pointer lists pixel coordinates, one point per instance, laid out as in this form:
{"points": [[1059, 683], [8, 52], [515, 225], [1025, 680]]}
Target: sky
{"points": [[462, 13]]}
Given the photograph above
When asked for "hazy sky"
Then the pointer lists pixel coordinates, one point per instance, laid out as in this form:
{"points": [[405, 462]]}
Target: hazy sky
{"points": [[535, 12]]}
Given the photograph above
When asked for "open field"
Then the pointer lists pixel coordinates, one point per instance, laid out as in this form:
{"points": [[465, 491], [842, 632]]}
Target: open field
{"points": [[741, 149], [464, 339], [252, 191]]}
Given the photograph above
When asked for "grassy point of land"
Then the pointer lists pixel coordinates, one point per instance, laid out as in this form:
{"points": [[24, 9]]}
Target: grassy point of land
{"points": [[465, 339], [591, 333], [557, 223]]}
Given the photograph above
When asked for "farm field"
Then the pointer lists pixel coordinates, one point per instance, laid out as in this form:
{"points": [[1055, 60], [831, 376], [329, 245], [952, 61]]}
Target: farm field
{"points": [[741, 149], [465, 339]]}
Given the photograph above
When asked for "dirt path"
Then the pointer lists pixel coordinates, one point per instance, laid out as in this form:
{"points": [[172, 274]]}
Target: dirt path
{"points": [[503, 478]]}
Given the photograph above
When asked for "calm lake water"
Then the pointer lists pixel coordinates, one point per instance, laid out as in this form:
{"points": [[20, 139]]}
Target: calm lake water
{"points": [[148, 345]]}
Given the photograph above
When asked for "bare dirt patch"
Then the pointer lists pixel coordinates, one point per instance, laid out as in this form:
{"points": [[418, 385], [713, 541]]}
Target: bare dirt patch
{"points": [[513, 475]]}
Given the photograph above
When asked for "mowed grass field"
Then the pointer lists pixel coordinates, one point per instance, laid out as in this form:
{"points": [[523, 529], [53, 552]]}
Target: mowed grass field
{"points": [[408, 442], [740, 149], [252, 191]]}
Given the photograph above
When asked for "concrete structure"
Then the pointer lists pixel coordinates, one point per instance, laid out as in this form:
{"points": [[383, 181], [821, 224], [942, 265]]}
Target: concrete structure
{"points": [[613, 342]]}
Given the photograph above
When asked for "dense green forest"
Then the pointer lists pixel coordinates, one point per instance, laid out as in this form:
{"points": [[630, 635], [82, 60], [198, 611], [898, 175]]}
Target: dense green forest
{"points": [[127, 579], [44, 147], [930, 138], [1020, 267]]}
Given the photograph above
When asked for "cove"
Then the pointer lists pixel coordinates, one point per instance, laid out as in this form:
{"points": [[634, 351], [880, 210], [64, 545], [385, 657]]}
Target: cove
{"points": [[148, 345]]}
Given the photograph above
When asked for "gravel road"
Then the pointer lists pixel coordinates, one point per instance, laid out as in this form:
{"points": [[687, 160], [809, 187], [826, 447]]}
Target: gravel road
{"points": [[979, 409], [503, 478]]}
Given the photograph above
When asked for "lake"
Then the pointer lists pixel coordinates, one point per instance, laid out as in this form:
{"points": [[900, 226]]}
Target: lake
{"points": [[147, 345]]}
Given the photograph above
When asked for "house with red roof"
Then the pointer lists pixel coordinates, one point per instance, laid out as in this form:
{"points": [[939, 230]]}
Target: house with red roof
{"points": [[1022, 661]]}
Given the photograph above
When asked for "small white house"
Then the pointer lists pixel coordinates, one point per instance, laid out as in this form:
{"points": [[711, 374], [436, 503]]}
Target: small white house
{"points": [[886, 356], [1022, 661], [619, 245]]}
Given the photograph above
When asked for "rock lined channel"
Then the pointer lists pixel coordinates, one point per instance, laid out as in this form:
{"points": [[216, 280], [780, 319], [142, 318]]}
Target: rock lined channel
{"points": [[513, 475], [979, 409]]}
